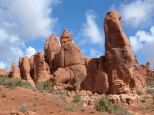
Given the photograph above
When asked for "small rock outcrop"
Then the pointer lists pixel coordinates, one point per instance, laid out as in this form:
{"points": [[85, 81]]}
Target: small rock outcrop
{"points": [[15, 72], [3, 72]]}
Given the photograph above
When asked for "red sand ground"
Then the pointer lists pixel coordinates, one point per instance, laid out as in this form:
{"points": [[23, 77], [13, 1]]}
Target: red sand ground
{"points": [[38, 103], [49, 104]]}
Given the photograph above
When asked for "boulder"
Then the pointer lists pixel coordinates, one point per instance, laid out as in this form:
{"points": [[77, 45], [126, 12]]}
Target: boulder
{"points": [[63, 75], [51, 48], [130, 99], [80, 73], [97, 79]]}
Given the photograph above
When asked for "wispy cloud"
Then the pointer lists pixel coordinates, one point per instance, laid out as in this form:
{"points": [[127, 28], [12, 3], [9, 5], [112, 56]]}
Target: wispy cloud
{"points": [[141, 39], [20, 22], [30, 51], [90, 31], [2, 65], [28, 18], [137, 12], [143, 44]]}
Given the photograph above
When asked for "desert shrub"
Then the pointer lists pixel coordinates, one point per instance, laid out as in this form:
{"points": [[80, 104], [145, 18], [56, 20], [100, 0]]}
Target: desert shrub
{"points": [[138, 92], [150, 82], [8, 82], [2, 94], [71, 108], [104, 105], [23, 107], [45, 86], [150, 90], [77, 98]]}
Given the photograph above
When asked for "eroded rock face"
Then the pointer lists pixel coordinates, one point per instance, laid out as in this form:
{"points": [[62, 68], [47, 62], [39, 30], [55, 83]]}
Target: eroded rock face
{"points": [[15, 72], [41, 69], [51, 48], [70, 56], [97, 79], [24, 65], [63, 75], [115, 72], [120, 59]]}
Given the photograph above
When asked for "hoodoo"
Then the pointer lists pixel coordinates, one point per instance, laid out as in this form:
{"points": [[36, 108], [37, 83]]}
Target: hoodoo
{"points": [[71, 57], [51, 48], [116, 72]]}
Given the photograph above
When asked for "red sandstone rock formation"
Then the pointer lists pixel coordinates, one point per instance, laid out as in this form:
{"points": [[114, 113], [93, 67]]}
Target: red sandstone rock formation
{"points": [[15, 72], [97, 79], [120, 59], [115, 72], [70, 56], [41, 69], [51, 48], [25, 68]]}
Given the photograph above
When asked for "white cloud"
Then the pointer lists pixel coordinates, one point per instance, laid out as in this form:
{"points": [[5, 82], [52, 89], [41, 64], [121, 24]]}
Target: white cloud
{"points": [[2, 65], [30, 51], [142, 39], [137, 12], [28, 18], [90, 30], [11, 48], [143, 44], [20, 22]]}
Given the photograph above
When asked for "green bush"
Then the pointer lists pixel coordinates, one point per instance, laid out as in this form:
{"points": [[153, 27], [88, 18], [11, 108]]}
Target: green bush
{"points": [[23, 107], [104, 105], [45, 86], [138, 92], [77, 98], [8, 82]]}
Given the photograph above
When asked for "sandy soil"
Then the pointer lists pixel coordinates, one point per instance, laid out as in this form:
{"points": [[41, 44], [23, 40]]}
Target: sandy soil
{"points": [[12, 100]]}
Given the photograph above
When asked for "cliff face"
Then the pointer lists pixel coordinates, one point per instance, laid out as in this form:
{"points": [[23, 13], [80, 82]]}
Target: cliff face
{"points": [[116, 72]]}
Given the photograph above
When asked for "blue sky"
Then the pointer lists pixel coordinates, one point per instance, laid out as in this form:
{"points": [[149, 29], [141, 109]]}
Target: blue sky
{"points": [[26, 24]]}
